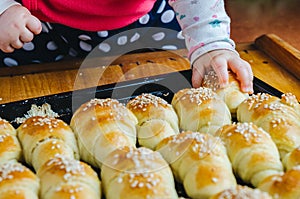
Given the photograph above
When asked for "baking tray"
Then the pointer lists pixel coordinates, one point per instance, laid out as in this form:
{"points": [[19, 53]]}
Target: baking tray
{"points": [[161, 85]]}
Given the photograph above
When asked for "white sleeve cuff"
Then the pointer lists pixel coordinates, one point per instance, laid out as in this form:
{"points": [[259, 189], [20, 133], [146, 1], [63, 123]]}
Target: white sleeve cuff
{"points": [[5, 4], [210, 47]]}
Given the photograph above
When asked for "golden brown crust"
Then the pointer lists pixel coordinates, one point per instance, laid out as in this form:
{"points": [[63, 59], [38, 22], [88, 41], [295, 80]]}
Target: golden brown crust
{"points": [[199, 161], [292, 159], [156, 119], [252, 152], [16, 178], [6, 128], [37, 130], [137, 173], [64, 170], [200, 109], [102, 125], [231, 94], [281, 121], [242, 192], [285, 185]]}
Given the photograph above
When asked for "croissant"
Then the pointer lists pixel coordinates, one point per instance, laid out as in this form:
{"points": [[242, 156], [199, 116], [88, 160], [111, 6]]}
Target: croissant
{"points": [[231, 94], [200, 110], [276, 117], [241, 192], [43, 137], [284, 185], [199, 161], [101, 126], [156, 119], [18, 182], [252, 152], [135, 173], [64, 178], [10, 148], [292, 159]]}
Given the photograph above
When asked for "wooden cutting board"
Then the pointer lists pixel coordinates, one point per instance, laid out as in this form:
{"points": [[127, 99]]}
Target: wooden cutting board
{"points": [[272, 59]]}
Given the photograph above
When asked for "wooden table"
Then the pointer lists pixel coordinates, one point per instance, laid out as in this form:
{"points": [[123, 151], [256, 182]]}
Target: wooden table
{"points": [[273, 61]]}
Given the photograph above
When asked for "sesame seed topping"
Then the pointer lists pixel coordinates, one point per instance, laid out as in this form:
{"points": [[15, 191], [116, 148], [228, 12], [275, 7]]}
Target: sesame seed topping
{"points": [[69, 165], [202, 144], [211, 81], [243, 192], [249, 131], [7, 169], [198, 95], [145, 100]]}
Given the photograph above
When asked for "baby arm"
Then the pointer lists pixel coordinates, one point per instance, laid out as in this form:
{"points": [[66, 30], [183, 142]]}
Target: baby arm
{"points": [[206, 28], [17, 26]]}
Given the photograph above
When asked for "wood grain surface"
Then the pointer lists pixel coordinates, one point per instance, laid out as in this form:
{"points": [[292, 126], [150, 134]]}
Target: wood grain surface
{"points": [[77, 74]]}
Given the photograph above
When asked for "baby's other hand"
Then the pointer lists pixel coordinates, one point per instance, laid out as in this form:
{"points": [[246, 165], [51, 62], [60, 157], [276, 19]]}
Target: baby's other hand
{"points": [[17, 26], [221, 61]]}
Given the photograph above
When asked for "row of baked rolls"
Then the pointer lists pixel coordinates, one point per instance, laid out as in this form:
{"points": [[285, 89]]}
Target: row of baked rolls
{"points": [[199, 161], [200, 109], [135, 173], [252, 152], [156, 119], [279, 117], [101, 126], [231, 94], [66, 178], [18, 182], [10, 148], [44, 137]]}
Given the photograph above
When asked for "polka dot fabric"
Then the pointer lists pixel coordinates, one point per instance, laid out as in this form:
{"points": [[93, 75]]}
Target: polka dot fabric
{"points": [[59, 42]]}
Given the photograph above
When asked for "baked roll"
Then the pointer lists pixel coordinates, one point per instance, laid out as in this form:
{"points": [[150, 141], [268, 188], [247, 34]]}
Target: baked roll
{"points": [[64, 178], [231, 94], [242, 192], [18, 182], [201, 110], [284, 185], [137, 173], [10, 148], [156, 119], [276, 117], [198, 161], [43, 137], [101, 126], [292, 159], [252, 152]]}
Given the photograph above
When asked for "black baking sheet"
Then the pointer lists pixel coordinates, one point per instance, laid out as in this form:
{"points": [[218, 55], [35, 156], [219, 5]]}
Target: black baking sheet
{"points": [[161, 85]]}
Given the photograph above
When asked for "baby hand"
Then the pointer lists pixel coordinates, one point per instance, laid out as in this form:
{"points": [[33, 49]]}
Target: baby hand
{"points": [[221, 61], [17, 26]]}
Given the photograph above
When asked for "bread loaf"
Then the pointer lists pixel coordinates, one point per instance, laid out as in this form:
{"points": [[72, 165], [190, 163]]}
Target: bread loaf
{"points": [[199, 161], [276, 117], [156, 119], [200, 110], [136, 173], [18, 182], [284, 185], [252, 152], [231, 94], [292, 159], [101, 126], [64, 178], [242, 192], [10, 148], [42, 138]]}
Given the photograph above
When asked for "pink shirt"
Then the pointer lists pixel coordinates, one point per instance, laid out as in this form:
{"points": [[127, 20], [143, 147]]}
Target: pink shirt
{"points": [[91, 15]]}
